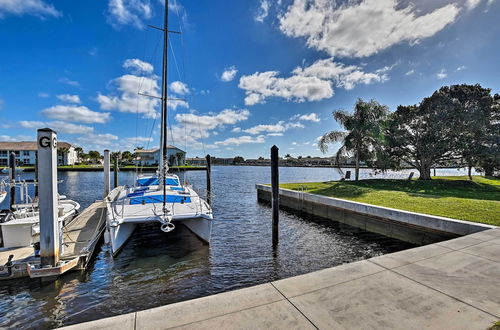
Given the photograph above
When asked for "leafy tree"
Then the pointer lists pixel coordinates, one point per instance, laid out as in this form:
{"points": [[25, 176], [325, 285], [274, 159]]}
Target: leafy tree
{"points": [[261, 158], [488, 157], [288, 156], [94, 155], [238, 159], [127, 156], [115, 155], [449, 125], [363, 136]]}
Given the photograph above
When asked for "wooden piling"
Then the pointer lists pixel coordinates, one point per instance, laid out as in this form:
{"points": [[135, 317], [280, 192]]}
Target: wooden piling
{"points": [[209, 183], [48, 201], [115, 173], [275, 201], [12, 177], [107, 182]]}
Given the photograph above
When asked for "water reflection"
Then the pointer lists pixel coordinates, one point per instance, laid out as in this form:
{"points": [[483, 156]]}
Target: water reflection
{"points": [[156, 269]]}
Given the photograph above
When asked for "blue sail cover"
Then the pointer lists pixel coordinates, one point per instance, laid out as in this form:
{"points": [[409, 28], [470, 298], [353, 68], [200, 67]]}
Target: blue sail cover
{"points": [[159, 199], [153, 181]]}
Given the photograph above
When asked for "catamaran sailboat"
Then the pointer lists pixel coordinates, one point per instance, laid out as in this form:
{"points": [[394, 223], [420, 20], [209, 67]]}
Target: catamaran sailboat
{"points": [[160, 198]]}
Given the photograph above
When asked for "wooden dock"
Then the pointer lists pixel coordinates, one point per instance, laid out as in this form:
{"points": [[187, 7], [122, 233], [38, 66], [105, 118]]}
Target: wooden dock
{"points": [[80, 236]]}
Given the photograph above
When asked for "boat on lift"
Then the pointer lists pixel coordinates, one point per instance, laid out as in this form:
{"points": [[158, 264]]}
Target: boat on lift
{"points": [[20, 226], [160, 198]]}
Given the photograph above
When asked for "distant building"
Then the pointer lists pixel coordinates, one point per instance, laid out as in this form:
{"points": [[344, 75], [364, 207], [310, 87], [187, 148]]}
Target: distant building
{"points": [[175, 156], [26, 152], [196, 161]]}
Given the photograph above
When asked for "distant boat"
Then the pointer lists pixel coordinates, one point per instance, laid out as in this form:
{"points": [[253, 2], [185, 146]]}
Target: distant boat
{"points": [[159, 198]]}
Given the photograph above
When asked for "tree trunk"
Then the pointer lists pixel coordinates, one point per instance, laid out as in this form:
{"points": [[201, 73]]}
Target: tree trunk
{"points": [[357, 167], [425, 171], [470, 172]]}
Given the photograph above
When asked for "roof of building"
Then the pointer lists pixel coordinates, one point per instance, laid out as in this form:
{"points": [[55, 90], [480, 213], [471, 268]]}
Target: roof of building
{"points": [[29, 145], [156, 149]]}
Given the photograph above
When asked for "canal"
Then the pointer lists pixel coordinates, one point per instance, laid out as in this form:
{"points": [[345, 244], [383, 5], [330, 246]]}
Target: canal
{"points": [[157, 268]]}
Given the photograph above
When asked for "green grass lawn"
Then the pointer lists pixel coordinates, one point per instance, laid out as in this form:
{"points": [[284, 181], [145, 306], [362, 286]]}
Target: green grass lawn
{"points": [[453, 197]]}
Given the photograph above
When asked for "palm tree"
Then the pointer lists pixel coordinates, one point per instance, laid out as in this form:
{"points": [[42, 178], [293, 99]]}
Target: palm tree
{"points": [[363, 135]]}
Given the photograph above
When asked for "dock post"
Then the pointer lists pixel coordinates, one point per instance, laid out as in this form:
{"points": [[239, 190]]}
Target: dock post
{"points": [[115, 172], [275, 199], [12, 178], [36, 177], [209, 183], [48, 203], [106, 173]]}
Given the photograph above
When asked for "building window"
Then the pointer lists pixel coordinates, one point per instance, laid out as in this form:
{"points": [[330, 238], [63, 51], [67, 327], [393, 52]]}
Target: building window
{"points": [[3, 162], [3, 153], [17, 152], [26, 153], [26, 162]]}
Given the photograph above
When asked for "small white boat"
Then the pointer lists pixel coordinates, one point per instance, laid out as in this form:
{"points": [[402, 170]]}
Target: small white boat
{"points": [[21, 227], [128, 207]]}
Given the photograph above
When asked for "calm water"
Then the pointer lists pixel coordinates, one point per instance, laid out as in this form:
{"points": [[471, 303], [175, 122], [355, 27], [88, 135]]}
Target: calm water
{"points": [[156, 268]]}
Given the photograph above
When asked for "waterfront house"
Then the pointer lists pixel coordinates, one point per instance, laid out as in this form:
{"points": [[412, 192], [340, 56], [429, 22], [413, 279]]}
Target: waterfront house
{"points": [[26, 153], [150, 157]]}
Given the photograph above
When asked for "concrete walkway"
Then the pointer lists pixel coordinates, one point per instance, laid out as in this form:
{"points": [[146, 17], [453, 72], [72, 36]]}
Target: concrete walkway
{"points": [[449, 285]]}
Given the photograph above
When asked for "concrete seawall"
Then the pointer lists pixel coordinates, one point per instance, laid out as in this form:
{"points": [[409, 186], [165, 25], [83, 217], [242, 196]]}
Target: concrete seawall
{"points": [[407, 226]]}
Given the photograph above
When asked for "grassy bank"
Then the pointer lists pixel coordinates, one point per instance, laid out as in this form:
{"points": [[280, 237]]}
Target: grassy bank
{"points": [[453, 197]]}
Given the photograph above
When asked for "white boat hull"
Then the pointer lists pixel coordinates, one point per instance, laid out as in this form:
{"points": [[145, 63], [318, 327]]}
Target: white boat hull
{"points": [[119, 235], [128, 207]]}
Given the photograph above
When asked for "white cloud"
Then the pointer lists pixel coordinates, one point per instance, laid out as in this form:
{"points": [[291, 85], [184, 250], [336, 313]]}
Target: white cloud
{"points": [[471, 4], [245, 139], [236, 130], [276, 128], [212, 121], [263, 11], [58, 126], [69, 98], [98, 140], [312, 83], [361, 28], [441, 74], [344, 76], [191, 129], [229, 73], [409, 73], [28, 7], [136, 66], [260, 86], [127, 99], [462, 67], [129, 12], [275, 134], [307, 117], [179, 87], [279, 127], [67, 81], [78, 114], [43, 95]]}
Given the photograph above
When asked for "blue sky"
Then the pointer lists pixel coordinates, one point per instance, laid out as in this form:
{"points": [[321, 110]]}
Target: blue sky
{"points": [[252, 73]]}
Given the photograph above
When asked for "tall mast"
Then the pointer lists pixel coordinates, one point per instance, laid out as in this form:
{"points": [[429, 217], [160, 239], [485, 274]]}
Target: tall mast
{"points": [[164, 87], [164, 145]]}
